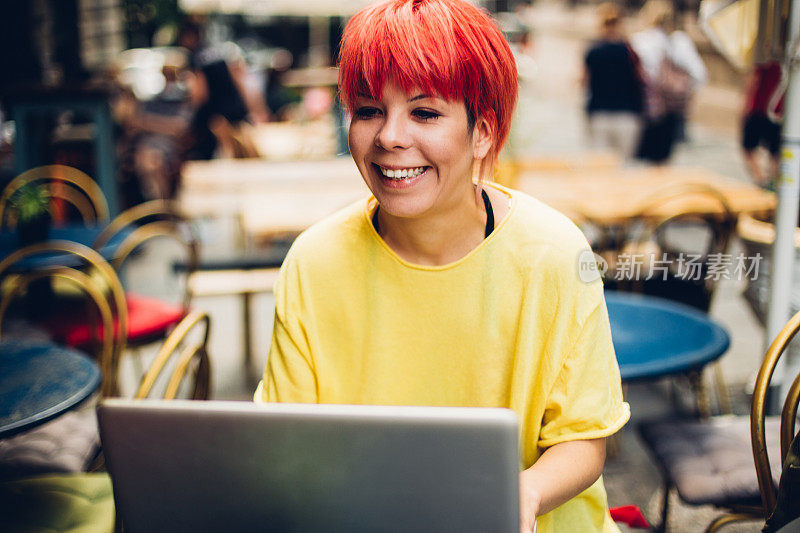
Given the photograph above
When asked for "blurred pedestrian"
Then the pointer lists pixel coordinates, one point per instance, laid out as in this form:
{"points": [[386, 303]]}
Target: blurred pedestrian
{"points": [[761, 124], [280, 97], [153, 130], [219, 90], [673, 70], [613, 79]]}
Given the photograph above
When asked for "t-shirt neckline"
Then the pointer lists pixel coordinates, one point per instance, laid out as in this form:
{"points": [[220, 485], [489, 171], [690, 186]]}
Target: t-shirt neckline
{"points": [[371, 203]]}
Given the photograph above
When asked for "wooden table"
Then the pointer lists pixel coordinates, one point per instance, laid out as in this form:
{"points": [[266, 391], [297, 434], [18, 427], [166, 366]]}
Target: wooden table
{"points": [[270, 198], [609, 197], [280, 198]]}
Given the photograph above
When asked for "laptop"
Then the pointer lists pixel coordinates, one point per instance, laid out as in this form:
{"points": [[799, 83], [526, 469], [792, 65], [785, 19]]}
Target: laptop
{"points": [[237, 466]]}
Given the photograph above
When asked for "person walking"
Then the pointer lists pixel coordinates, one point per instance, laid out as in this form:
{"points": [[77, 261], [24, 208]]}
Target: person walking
{"points": [[761, 123], [673, 71], [613, 80]]}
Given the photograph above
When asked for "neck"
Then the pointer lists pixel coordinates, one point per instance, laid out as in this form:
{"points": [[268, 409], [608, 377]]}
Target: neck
{"points": [[436, 239]]}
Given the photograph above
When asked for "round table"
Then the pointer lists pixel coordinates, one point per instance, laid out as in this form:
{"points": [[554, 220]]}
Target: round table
{"points": [[39, 381], [654, 337]]}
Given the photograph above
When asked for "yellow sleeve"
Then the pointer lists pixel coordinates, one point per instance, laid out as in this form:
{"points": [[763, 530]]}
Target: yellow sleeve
{"points": [[289, 376], [586, 399]]}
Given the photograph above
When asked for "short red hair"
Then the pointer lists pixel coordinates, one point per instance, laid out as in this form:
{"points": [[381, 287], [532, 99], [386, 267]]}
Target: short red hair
{"points": [[449, 48]]}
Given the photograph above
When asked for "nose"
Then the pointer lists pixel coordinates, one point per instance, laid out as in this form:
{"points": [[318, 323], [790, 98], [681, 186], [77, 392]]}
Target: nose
{"points": [[393, 133]]}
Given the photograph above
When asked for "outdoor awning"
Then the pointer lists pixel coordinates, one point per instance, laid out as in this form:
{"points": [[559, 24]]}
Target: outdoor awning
{"points": [[732, 27]]}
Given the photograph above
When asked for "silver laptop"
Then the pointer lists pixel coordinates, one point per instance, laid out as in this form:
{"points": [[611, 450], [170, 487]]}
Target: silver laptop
{"points": [[236, 466]]}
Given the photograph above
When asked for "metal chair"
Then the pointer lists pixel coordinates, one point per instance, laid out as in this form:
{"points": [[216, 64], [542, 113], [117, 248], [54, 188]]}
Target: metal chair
{"points": [[94, 277], [151, 319], [659, 266], [710, 462], [70, 443], [192, 357], [61, 183], [674, 206]]}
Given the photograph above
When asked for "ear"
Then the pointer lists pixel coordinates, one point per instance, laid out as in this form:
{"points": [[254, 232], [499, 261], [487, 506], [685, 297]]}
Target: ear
{"points": [[482, 138]]}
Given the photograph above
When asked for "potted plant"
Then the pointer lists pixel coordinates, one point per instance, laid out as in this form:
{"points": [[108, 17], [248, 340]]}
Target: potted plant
{"points": [[32, 206]]}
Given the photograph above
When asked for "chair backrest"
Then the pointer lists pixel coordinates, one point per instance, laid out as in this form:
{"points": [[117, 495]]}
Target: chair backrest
{"points": [[758, 413], [60, 182], [690, 202], [154, 219], [192, 354], [103, 289]]}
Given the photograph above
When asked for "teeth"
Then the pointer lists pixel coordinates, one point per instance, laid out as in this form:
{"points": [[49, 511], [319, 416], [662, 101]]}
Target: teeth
{"points": [[402, 173]]}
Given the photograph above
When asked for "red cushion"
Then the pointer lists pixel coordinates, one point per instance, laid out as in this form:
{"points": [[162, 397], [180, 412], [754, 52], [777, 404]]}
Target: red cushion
{"points": [[147, 317]]}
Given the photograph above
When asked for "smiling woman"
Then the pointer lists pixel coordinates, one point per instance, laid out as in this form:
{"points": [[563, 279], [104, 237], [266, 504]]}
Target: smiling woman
{"points": [[442, 288]]}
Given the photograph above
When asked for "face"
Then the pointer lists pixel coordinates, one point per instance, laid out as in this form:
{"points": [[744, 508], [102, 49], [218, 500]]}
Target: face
{"points": [[416, 151]]}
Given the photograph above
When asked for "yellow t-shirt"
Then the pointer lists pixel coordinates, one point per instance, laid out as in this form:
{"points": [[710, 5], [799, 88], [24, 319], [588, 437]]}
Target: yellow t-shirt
{"points": [[511, 324]]}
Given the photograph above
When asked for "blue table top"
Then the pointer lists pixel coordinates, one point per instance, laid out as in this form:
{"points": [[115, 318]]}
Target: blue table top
{"points": [[654, 337], [75, 232], [39, 381]]}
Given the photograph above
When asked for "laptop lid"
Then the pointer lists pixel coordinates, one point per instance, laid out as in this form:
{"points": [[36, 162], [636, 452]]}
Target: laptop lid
{"points": [[236, 466]]}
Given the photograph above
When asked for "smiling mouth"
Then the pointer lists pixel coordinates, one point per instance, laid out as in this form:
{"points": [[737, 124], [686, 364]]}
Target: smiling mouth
{"points": [[400, 174]]}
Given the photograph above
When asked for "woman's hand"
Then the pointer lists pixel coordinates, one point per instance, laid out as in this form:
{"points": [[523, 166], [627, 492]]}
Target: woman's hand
{"points": [[529, 502]]}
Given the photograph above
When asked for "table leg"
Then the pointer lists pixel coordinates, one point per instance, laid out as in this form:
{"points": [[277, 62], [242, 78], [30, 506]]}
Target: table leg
{"points": [[246, 333], [700, 392]]}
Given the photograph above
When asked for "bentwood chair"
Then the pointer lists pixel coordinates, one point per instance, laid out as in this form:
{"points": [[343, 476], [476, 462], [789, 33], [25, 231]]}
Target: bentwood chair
{"points": [[659, 237], [711, 462], [192, 359], [80, 266], [66, 186], [151, 319], [664, 259], [69, 442]]}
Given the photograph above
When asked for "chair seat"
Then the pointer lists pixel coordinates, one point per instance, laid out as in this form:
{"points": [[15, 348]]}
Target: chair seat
{"points": [[710, 462], [66, 444], [147, 318], [151, 317]]}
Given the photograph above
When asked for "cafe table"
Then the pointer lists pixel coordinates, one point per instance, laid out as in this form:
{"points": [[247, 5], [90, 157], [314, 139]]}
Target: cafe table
{"points": [[269, 199], [655, 338], [40, 381], [610, 197]]}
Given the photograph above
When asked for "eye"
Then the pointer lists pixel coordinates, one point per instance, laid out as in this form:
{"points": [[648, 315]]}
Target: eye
{"points": [[366, 112], [425, 114]]}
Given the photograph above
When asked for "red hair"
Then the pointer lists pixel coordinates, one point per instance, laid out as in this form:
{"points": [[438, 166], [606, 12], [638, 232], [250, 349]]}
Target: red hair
{"points": [[449, 48]]}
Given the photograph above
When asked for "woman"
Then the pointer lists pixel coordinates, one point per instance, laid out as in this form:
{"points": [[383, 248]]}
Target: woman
{"points": [[615, 87], [442, 289]]}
